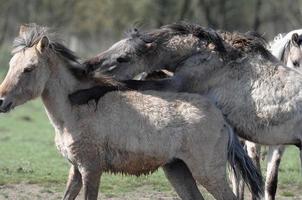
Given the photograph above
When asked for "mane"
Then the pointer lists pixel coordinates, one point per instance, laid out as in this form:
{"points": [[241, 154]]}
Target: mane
{"points": [[34, 33], [239, 43], [164, 33], [249, 42], [280, 42]]}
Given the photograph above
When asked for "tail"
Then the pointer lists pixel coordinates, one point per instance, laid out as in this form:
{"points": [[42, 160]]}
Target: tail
{"points": [[241, 162]]}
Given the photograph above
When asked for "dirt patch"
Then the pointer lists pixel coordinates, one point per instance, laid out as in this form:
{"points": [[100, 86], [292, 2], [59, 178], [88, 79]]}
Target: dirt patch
{"points": [[37, 192], [25, 191]]}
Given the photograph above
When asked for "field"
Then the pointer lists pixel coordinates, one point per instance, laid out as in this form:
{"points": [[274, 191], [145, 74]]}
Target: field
{"points": [[31, 167]]}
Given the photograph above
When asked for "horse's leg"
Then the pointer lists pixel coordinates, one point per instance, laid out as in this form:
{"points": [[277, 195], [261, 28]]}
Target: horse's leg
{"points": [[241, 189], [91, 182], [209, 168], [182, 180], [235, 182], [213, 178], [217, 185], [274, 158], [74, 184], [253, 150], [238, 185]]}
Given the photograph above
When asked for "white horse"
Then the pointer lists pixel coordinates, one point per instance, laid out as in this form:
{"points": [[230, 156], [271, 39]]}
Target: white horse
{"points": [[128, 132]]}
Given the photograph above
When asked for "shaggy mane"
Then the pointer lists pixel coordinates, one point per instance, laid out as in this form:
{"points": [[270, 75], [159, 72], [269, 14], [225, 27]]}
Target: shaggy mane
{"points": [[164, 33], [250, 42], [34, 33]]}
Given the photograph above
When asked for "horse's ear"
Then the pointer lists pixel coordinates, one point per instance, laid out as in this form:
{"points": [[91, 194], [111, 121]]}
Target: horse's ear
{"points": [[295, 39], [43, 44], [23, 29]]}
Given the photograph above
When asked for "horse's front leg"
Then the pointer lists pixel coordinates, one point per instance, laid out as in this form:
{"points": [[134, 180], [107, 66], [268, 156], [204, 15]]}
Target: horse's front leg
{"points": [[91, 181], [273, 161], [74, 184]]}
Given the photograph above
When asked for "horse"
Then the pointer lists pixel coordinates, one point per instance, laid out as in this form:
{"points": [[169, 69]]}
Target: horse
{"points": [[125, 131], [259, 96], [287, 48]]}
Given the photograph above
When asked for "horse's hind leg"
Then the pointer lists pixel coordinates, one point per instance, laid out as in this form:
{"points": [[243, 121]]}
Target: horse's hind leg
{"points": [[182, 180], [207, 163], [253, 150], [238, 185], [219, 188], [74, 184], [274, 158], [212, 175]]}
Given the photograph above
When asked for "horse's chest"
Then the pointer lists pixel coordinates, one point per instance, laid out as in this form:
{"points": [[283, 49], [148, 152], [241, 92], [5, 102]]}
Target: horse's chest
{"points": [[67, 145], [63, 146]]}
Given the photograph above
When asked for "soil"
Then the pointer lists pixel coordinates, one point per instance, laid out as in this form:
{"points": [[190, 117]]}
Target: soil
{"points": [[24, 191]]}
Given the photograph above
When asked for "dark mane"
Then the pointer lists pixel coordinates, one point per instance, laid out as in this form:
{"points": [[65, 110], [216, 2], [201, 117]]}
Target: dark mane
{"points": [[198, 31], [34, 33], [165, 33], [250, 42]]}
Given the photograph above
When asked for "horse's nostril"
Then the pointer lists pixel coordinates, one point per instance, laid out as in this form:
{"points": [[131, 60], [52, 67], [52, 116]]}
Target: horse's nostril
{"points": [[1, 101]]}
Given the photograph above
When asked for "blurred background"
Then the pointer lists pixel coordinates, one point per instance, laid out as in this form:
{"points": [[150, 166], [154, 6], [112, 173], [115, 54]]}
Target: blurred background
{"points": [[30, 166], [89, 26]]}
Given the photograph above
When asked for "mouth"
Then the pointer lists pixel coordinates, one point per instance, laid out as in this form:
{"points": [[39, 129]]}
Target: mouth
{"points": [[7, 108], [108, 68], [111, 68]]}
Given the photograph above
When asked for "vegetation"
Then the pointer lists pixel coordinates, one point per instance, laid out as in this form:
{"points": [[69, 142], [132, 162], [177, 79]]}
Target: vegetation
{"points": [[93, 24]]}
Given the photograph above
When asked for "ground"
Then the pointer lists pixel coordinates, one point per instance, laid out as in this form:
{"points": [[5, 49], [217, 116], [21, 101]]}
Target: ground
{"points": [[24, 191], [31, 168]]}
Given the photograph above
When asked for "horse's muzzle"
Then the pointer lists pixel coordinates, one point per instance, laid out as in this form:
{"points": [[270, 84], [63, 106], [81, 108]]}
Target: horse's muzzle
{"points": [[5, 106]]}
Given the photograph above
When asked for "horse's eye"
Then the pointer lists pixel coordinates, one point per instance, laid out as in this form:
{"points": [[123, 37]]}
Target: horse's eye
{"points": [[296, 64], [123, 59], [28, 69]]}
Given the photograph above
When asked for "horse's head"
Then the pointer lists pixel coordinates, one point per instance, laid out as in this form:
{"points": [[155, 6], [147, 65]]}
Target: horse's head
{"points": [[292, 56], [124, 58], [157, 49], [28, 71]]}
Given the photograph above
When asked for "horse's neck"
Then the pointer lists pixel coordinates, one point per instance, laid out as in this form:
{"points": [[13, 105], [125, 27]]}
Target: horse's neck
{"points": [[55, 95]]}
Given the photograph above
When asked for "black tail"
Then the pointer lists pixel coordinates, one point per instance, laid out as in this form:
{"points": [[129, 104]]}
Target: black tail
{"points": [[241, 162]]}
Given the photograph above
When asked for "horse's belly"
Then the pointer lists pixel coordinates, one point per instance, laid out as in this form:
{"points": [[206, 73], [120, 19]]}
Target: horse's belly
{"points": [[133, 163]]}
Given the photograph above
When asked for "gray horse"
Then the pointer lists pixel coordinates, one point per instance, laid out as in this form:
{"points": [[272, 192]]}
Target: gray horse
{"points": [[287, 48], [259, 96]]}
